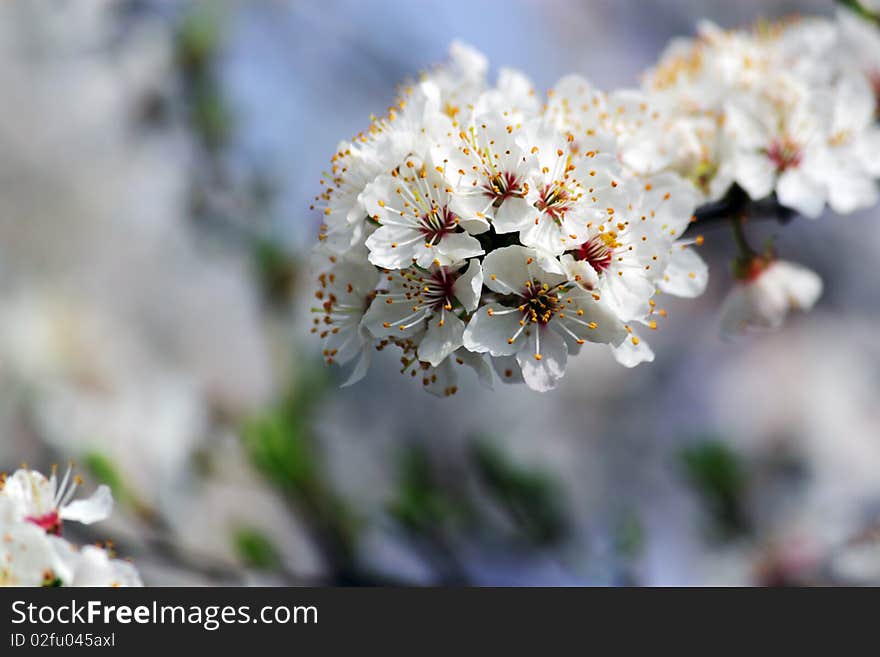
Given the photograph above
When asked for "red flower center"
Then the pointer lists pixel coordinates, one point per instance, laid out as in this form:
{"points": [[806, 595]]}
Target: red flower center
{"points": [[503, 185], [596, 253], [784, 153], [555, 201], [51, 522], [437, 223]]}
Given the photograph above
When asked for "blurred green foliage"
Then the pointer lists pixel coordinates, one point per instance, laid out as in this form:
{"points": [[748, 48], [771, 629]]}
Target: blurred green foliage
{"points": [[421, 504], [198, 41], [629, 535], [717, 475], [277, 270], [862, 10], [532, 499], [256, 549], [103, 469], [282, 445]]}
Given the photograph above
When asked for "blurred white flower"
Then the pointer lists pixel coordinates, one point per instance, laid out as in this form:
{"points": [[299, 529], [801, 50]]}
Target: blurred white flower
{"points": [[27, 556], [90, 565], [785, 107], [32, 551], [123, 330], [765, 298], [48, 502]]}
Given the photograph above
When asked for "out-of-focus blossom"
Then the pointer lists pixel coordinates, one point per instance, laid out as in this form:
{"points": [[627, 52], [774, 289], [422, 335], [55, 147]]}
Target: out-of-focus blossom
{"points": [[785, 108], [767, 295], [93, 566], [47, 502], [32, 551], [124, 331]]}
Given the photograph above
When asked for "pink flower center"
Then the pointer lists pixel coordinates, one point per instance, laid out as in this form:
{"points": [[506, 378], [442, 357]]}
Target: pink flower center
{"points": [[554, 201], [51, 522], [784, 153], [503, 185], [437, 223], [596, 253], [441, 287]]}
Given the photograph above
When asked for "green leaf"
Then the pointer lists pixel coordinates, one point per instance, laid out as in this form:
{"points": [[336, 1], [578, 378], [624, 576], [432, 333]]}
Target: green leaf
{"points": [[629, 535], [531, 498], [256, 549], [715, 472], [420, 504], [277, 445]]}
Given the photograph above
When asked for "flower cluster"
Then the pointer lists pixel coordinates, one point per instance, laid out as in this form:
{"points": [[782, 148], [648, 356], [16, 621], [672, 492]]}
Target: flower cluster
{"points": [[33, 510], [785, 108], [478, 224]]}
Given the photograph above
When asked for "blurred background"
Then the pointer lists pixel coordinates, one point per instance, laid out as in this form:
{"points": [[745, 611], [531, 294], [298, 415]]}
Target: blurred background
{"points": [[158, 161]]}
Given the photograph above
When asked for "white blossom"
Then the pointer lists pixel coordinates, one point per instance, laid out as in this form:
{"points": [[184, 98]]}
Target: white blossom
{"points": [[415, 300], [417, 224], [48, 502], [32, 550], [764, 299], [785, 108], [540, 316]]}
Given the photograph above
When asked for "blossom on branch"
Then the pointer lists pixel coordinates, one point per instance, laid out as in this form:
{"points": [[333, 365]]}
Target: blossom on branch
{"points": [[32, 549]]}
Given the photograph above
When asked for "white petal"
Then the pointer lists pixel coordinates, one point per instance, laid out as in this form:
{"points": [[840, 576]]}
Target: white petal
{"points": [[745, 307], [800, 192], [94, 567], [803, 286], [755, 173], [26, 555], [867, 147], [440, 341], [469, 285], [471, 205], [485, 333], [591, 320], [506, 270], [507, 369], [850, 186], [542, 360], [546, 235], [580, 271], [854, 104], [477, 362], [743, 125], [468, 60], [474, 225], [686, 275], [764, 302], [95, 508], [514, 215], [459, 246], [392, 247], [633, 351], [549, 265], [394, 315], [360, 369]]}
